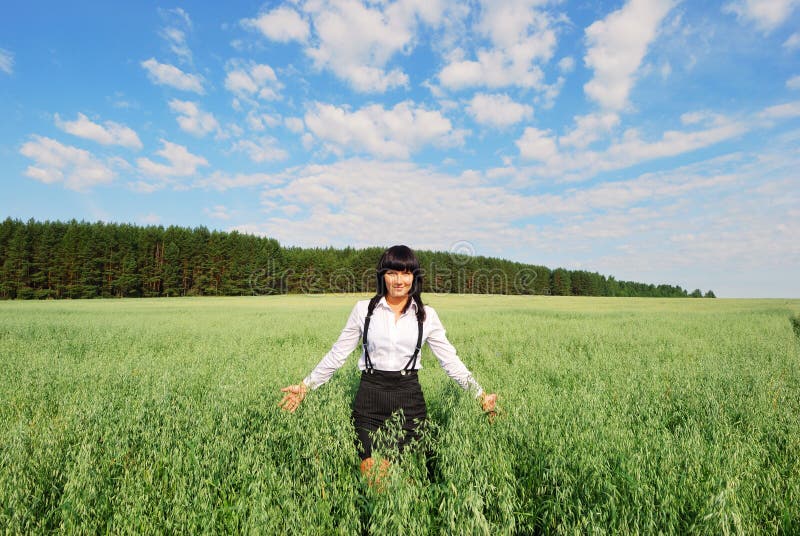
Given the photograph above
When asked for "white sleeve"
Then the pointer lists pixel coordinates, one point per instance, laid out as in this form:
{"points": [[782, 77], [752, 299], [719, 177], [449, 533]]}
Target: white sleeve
{"points": [[447, 356], [335, 358]]}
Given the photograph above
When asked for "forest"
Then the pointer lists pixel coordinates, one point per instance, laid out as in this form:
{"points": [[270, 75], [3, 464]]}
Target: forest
{"points": [[57, 260]]}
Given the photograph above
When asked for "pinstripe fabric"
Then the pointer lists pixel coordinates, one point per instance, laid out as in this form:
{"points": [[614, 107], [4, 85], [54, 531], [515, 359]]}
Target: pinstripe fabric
{"points": [[379, 396]]}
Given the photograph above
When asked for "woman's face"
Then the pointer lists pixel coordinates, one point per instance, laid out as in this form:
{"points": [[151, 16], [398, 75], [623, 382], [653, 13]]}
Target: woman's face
{"points": [[398, 284]]}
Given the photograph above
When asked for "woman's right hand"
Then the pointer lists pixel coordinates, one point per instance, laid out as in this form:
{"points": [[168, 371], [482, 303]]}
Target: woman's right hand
{"points": [[294, 395]]}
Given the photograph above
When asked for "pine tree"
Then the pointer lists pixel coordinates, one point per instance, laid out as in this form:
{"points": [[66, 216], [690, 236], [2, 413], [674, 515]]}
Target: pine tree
{"points": [[560, 284], [17, 264], [45, 274]]}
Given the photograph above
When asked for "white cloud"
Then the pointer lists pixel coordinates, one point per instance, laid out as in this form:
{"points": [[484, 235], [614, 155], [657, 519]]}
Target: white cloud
{"points": [[110, 133], [566, 65], [344, 200], [169, 75], [55, 162], [630, 150], [177, 43], [219, 212], [498, 110], [146, 187], [308, 141], [359, 57], [259, 122], [180, 163], [6, 61], [252, 81], [765, 14], [793, 82], [536, 144], [192, 119], [745, 225], [178, 24], [788, 110], [616, 47], [384, 30], [232, 129], [333, 197], [119, 100], [589, 128], [462, 73], [263, 149], [520, 36], [792, 42], [150, 218], [221, 181], [354, 40], [693, 118], [295, 124], [392, 133], [282, 25], [509, 23], [178, 15]]}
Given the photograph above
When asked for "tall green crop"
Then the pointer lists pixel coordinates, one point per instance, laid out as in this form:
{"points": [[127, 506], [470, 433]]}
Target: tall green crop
{"points": [[618, 416]]}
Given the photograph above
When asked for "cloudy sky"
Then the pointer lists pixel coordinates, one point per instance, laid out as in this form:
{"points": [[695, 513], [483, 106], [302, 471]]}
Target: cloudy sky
{"points": [[653, 140]]}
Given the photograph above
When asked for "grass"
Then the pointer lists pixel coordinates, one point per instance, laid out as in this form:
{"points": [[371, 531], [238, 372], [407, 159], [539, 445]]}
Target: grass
{"points": [[620, 415]]}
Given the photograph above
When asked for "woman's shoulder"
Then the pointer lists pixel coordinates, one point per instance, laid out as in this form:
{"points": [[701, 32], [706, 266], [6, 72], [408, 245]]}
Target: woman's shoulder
{"points": [[362, 306]]}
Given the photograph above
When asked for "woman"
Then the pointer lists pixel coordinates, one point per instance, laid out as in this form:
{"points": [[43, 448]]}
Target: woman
{"points": [[392, 326]]}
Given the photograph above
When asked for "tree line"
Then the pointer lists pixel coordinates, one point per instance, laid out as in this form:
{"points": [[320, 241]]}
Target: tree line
{"points": [[54, 260]]}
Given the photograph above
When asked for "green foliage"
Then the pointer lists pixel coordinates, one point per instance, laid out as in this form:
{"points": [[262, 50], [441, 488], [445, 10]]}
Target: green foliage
{"points": [[617, 416], [88, 260], [795, 322]]}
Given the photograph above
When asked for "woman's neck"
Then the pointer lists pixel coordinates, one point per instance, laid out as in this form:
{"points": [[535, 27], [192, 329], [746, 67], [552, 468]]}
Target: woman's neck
{"points": [[397, 303]]}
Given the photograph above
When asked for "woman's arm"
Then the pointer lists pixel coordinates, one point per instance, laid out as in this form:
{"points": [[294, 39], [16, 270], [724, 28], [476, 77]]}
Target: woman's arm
{"points": [[335, 358], [330, 363], [445, 352], [447, 356]]}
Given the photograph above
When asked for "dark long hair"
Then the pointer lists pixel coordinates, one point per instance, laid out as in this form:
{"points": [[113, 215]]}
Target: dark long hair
{"points": [[402, 259]]}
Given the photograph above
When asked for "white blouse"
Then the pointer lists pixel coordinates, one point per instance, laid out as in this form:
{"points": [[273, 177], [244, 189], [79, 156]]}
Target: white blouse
{"points": [[391, 344]]}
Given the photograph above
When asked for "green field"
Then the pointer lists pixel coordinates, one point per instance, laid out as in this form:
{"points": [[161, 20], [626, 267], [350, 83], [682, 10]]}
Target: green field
{"points": [[619, 415]]}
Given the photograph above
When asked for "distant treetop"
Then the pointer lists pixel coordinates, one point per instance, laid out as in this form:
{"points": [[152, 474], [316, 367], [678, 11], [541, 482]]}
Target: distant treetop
{"points": [[40, 260]]}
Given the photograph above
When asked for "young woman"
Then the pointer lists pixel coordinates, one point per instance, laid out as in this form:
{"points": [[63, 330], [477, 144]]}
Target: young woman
{"points": [[392, 326]]}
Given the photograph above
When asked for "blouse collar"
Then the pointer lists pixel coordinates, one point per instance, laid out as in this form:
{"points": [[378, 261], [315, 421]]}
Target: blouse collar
{"points": [[384, 303]]}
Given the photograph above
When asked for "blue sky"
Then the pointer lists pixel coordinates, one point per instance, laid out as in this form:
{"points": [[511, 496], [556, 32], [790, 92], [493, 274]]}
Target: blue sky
{"points": [[653, 140]]}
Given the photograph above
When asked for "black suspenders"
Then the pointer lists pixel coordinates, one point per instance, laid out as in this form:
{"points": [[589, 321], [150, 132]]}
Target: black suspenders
{"points": [[412, 361]]}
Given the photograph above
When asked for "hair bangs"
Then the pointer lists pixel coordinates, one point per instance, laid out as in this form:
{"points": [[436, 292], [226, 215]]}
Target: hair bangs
{"points": [[399, 258]]}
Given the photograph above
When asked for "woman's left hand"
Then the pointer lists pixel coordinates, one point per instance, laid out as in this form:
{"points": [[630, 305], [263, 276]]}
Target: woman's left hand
{"points": [[294, 395], [489, 404]]}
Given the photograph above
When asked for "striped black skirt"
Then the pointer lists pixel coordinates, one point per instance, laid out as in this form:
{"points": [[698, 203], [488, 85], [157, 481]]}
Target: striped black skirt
{"points": [[381, 396]]}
